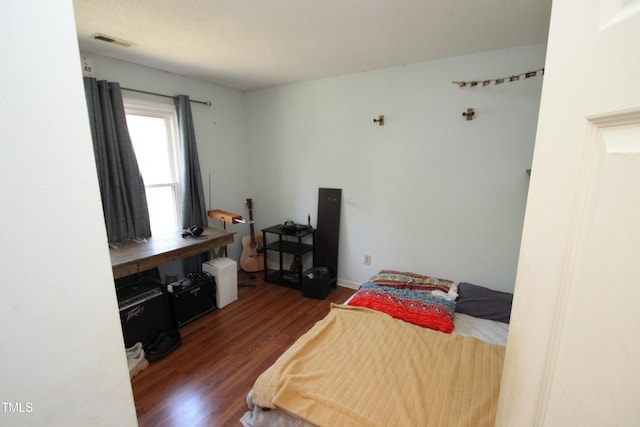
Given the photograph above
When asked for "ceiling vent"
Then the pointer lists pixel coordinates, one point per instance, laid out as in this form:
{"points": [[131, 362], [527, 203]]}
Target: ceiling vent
{"points": [[112, 40]]}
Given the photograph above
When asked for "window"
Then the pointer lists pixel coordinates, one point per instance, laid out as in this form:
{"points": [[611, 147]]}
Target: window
{"points": [[153, 130]]}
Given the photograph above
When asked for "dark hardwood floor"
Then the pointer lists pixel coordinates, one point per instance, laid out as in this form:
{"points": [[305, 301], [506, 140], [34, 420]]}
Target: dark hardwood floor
{"points": [[206, 380]]}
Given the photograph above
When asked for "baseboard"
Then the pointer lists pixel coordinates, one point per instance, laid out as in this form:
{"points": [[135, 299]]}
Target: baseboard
{"points": [[348, 284]]}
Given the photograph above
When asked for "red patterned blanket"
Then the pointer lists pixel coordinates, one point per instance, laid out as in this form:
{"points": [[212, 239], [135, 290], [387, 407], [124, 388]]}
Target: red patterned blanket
{"points": [[408, 303]]}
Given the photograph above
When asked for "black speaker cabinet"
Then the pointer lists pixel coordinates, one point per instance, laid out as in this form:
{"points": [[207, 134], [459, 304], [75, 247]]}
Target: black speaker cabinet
{"points": [[192, 297], [143, 312], [328, 231]]}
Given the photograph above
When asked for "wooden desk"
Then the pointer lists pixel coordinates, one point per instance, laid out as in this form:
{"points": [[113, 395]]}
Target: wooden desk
{"points": [[167, 248]]}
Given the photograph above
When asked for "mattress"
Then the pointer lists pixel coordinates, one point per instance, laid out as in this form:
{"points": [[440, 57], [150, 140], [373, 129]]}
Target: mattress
{"points": [[488, 331]]}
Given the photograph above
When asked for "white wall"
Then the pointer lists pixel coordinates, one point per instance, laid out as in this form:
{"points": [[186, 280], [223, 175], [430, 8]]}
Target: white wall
{"points": [[63, 361], [428, 192], [220, 131], [572, 357]]}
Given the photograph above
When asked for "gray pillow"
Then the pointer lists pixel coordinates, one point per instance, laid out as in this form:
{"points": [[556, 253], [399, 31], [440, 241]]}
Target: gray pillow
{"points": [[484, 303]]}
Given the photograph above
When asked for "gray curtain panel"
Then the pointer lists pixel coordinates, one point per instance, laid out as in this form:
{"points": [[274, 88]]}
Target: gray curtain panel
{"points": [[124, 199], [194, 210]]}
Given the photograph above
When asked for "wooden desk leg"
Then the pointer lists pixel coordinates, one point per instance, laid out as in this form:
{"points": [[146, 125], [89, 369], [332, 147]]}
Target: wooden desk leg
{"points": [[217, 252]]}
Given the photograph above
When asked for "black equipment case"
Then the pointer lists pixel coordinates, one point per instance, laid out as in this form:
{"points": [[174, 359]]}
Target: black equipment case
{"points": [[192, 297], [143, 312]]}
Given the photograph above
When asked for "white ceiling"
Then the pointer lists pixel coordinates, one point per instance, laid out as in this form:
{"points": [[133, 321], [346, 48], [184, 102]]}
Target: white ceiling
{"points": [[248, 44]]}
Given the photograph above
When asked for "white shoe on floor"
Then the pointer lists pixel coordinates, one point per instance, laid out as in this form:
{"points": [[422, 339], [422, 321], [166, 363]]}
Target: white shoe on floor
{"points": [[137, 363], [134, 350]]}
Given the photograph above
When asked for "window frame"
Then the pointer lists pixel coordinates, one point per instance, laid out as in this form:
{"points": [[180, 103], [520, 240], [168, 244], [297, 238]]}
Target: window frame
{"points": [[167, 112]]}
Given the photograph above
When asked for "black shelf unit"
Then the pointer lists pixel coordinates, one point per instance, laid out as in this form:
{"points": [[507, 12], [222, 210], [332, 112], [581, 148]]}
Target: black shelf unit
{"points": [[288, 242]]}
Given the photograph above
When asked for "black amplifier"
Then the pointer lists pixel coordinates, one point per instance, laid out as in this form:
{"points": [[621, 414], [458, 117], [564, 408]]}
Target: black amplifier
{"points": [[143, 313], [192, 297]]}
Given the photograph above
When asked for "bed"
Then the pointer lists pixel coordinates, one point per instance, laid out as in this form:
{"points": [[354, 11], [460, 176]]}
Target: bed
{"points": [[405, 349]]}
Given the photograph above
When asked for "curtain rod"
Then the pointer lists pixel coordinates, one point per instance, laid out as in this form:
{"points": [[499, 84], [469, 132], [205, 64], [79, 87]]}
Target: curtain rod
{"points": [[207, 103]]}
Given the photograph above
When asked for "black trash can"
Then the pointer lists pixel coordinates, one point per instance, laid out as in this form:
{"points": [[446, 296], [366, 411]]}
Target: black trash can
{"points": [[316, 283]]}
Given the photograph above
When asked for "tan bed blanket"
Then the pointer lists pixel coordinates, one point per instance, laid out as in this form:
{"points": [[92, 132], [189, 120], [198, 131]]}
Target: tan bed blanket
{"points": [[360, 367]]}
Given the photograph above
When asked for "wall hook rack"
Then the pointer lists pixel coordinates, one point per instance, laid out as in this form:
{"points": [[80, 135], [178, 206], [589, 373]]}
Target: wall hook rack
{"points": [[379, 120], [469, 114]]}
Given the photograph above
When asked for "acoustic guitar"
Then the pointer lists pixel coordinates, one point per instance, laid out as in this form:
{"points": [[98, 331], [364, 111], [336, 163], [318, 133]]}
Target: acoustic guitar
{"points": [[252, 257]]}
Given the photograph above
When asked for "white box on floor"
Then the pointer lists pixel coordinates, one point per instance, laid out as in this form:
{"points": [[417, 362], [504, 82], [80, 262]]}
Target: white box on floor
{"points": [[225, 271]]}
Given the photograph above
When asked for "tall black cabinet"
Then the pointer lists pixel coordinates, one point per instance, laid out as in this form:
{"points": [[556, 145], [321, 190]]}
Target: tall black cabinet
{"points": [[328, 231]]}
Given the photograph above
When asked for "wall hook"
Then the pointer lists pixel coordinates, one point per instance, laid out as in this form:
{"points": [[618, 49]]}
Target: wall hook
{"points": [[379, 120], [469, 114]]}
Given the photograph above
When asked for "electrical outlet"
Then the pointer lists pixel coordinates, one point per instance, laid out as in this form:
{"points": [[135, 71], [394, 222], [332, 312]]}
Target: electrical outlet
{"points": [[367, 260]]}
